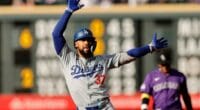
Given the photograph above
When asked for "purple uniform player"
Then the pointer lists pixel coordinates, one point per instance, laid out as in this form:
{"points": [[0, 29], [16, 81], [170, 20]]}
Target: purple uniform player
{"points": [[165, 85]]}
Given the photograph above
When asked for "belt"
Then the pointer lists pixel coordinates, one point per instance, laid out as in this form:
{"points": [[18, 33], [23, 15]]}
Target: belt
{"points": [[93, 108], [103, 99], [99, 107]]}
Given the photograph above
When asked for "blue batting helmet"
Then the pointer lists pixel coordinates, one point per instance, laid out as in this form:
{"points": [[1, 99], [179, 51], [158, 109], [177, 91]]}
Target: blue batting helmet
{"points": [[82, 34]]}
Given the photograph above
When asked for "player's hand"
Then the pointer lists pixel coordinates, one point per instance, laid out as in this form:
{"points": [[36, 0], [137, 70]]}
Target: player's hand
{"points": [[157, 44], [74, 5]]}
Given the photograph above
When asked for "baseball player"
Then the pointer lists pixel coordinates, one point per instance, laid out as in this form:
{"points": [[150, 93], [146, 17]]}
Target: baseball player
{"points": [[84, 73], [165, 85]]}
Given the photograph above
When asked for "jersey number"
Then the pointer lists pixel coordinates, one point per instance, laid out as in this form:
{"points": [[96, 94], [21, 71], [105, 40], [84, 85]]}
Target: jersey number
{"points": [[100, 79]]}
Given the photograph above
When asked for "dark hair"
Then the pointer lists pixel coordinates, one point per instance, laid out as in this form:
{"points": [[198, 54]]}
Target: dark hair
{"points": [[164, 57]]}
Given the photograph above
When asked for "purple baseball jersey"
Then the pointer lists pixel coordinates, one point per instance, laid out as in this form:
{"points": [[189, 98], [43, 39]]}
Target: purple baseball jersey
{"points": [[165, 89]]}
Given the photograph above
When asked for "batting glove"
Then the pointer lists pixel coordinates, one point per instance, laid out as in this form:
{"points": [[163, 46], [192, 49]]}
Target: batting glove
{"points": [[74, 5], [157, 44]]}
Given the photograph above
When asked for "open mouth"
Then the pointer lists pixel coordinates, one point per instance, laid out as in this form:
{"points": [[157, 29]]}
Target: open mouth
{"points": [[86, 48]]}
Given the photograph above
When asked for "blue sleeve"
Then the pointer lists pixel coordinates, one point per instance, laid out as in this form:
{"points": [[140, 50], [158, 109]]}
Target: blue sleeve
{"points": [[139, 52], [58, 38]]}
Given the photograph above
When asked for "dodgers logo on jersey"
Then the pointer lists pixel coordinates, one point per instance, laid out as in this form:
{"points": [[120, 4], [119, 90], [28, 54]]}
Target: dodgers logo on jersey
{"points": [[78, 71]]}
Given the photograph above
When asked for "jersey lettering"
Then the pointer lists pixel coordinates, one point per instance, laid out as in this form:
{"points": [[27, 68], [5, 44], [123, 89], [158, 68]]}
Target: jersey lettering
{"points": [[100, 79], [165, 85], [78, 71]]}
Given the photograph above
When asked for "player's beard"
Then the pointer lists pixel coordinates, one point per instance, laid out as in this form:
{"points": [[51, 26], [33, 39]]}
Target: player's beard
{"points": [[86, 53]]}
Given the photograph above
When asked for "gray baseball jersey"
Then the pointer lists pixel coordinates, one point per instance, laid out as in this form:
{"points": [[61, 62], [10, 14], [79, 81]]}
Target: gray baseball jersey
{"points": [[85, 77]]}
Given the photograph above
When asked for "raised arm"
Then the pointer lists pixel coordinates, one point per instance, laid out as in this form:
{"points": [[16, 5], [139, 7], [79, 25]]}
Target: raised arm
{"points": [[155, 44], [132, 54], [58, 38]]}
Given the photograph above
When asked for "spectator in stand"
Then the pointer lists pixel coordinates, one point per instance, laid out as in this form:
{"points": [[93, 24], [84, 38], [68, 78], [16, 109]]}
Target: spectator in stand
{"points": [[23, 2], [167, 1], [194, 1], [157, 1], [50, 2], [90, 2], [119, 1], [5, 2]]}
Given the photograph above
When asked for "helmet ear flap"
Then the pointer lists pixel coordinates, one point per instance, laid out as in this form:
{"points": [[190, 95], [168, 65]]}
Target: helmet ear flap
{"points": [[93, 47]]}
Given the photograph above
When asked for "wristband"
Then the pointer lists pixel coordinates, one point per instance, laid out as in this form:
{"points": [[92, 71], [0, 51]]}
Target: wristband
{"points": [[144, 107], [151, 48], [70, 10]]}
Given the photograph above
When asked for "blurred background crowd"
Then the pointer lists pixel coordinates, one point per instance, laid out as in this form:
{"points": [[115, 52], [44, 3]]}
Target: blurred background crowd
{"points": [[92, 2]]}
